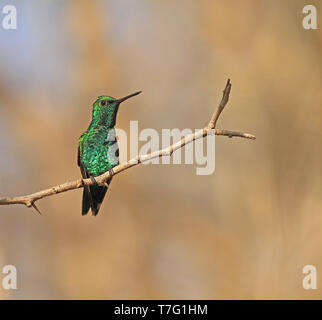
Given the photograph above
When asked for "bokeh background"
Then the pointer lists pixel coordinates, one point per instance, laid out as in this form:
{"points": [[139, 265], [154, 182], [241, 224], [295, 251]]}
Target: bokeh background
{"points": [[244, 232]]}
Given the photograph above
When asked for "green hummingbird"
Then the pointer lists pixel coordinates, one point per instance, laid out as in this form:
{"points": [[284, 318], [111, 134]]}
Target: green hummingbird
{"points": [[98, 150]]}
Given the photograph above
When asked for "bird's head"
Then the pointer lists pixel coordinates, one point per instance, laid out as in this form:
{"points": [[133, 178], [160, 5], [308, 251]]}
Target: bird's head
{"points": [[105, 109]]}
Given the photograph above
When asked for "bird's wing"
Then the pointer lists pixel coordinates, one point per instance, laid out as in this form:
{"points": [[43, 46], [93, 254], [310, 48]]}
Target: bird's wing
{"points": [[87, 195]]}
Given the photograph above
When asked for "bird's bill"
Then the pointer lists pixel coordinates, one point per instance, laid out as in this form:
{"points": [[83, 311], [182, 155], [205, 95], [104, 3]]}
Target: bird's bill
{"points": [[129, 96]]}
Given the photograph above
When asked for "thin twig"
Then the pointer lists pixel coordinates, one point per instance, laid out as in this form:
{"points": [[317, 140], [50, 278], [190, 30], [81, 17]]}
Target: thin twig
{"points": [[29, 200], [212, 123]]}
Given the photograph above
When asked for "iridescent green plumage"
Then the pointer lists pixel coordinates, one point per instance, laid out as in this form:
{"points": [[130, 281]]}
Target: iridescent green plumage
{"points": [[98, 149]]}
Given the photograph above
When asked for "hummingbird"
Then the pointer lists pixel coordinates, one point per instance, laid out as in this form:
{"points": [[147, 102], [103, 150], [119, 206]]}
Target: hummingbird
{"points": [[98, 150]]}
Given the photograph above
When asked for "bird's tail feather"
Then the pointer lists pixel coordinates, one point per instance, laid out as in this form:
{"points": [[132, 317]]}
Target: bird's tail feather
{"points": [[93, 197], [86, 203]]}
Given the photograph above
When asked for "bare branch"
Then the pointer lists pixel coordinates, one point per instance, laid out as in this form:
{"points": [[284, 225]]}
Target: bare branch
{"points": [[29, 200]]}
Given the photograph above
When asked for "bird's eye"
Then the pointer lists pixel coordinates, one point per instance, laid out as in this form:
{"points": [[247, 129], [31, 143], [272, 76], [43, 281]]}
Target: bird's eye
{"points": [[103, 103]]}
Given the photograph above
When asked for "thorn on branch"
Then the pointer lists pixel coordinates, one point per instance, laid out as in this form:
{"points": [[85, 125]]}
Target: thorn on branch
{"points": [[35, 207], [30, 203]]}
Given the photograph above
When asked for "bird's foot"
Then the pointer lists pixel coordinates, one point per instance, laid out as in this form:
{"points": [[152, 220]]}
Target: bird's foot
{"points": [[111, 172]]}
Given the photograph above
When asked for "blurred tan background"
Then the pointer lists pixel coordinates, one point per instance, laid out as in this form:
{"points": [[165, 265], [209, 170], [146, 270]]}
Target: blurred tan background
{"points": [[244, 232]]}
